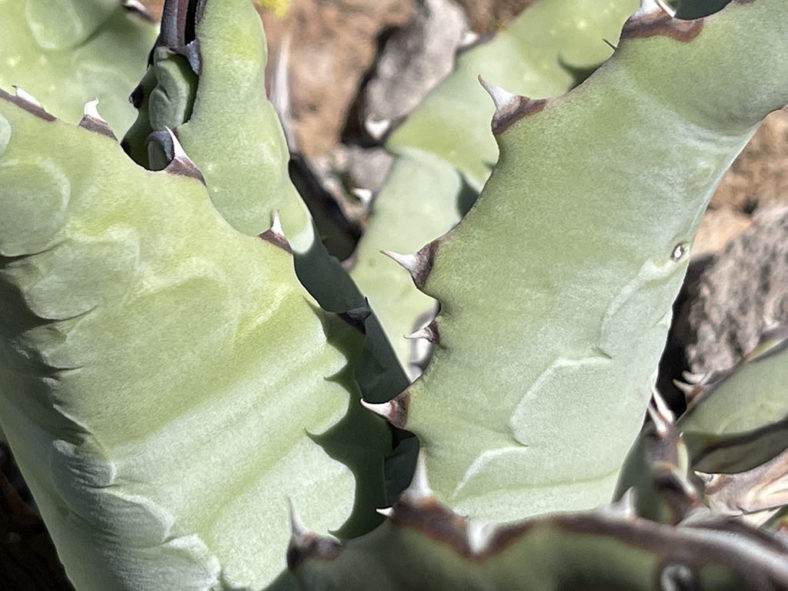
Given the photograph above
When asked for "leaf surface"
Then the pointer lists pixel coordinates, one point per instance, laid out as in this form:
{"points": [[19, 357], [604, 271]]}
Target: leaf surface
{"points": [[165, 378], [556, 287], [70, 52]]}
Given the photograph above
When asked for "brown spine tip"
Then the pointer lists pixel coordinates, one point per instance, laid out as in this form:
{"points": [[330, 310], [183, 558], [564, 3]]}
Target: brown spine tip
{"points": [[510, 108], [357, 317], [663, 418], [305, 544], [690, 391], [624, 508], [419, 265], [180, 164], [652, 22], [418, 508], [27, 102], [693, 378], [395, 411], [418, 491], [92, 121], [276, 236], [434, 521]]}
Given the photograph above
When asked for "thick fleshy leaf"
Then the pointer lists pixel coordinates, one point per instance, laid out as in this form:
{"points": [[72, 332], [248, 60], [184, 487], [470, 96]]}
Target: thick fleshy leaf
{"points": [[69, 52], [206, 83], [445, 150], [402, 220], [730, 448], [532, 55], [556, 287], [738, 420], [425, 546], [166, 381]]}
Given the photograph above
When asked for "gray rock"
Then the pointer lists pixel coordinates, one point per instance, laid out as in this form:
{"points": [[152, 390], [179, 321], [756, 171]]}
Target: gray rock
{"points": [[367, 167], [740, 293], [414, 60]]}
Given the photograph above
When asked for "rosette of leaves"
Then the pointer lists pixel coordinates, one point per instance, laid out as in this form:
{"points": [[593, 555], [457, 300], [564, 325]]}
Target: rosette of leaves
{"points": [[167, 381]]}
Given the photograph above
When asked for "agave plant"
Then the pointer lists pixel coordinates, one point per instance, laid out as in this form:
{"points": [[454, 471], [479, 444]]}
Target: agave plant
{"points": [[187, 377]]}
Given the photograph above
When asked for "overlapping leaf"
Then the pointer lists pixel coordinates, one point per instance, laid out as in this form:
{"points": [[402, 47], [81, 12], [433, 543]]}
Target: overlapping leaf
{"points": [[445, 151], [596, 197], [68, 53], [164, 376]]}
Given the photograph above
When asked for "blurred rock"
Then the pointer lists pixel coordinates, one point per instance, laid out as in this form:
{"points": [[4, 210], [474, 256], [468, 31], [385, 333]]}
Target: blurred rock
{"points": [[415, 58], [366, 168], [760, 174], [333, 44], [488, 16], [739, 293], [717, 228]]}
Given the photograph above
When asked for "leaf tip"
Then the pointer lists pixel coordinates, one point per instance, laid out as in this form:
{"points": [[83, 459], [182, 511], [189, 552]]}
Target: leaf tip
{"points": [[298, 531], [663, 418], [377, 128], [305, 544]]}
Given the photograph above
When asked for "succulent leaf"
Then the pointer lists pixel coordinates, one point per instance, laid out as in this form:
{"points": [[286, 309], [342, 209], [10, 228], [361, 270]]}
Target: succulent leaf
{"points": [[164, 377], [401, 204], [724, 434], [423, 545], [169, 386], [70, 26], [445, 150], [581, 307], [528, 56], [657, 470], [729, 449], [70, 52], [210, 90]]}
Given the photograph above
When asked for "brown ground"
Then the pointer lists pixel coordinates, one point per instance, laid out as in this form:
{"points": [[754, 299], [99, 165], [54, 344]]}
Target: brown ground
{"points": [[334, 44]]}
